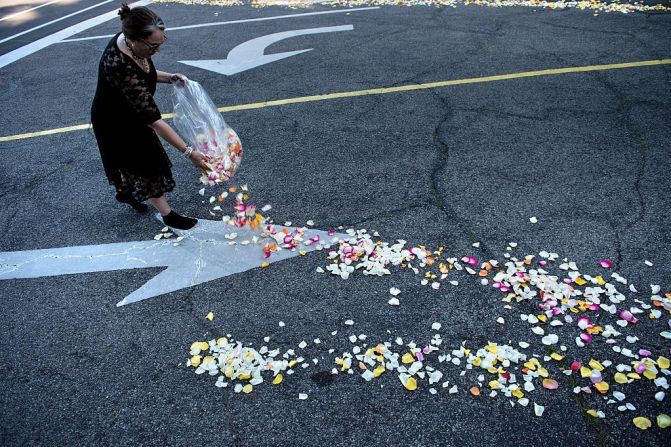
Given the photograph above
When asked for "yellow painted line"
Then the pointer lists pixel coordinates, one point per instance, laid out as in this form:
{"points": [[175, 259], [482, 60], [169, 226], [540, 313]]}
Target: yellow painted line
{"points": [[379, 91], [42, 133]]}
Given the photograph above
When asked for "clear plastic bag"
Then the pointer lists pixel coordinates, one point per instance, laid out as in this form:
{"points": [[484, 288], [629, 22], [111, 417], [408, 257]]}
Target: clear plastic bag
{"points": [[199, 122]]}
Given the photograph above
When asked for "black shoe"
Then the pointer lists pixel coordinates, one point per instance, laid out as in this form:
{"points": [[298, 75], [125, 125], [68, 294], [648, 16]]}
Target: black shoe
{"points": [[132, 201], [179, 222]]}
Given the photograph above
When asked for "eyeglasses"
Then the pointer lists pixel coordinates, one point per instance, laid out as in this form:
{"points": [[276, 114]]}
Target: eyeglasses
{"points": [[153, 46]]}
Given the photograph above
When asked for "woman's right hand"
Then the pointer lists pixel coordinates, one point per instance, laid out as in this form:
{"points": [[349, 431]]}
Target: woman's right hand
{"points": [[198, 159]]}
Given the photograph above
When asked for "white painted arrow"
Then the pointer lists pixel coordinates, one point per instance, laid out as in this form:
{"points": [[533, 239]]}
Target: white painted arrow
{"points": [[203, 255], [250, 54]]}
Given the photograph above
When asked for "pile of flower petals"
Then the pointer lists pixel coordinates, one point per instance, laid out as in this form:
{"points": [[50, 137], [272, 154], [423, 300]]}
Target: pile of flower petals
{"points": [[499, 370], [373, 258], [236, 362], [271, 237], [603, 308], [592, 5]]}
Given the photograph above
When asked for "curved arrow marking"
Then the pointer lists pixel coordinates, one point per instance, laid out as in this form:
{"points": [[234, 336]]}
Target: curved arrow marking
{"points": [[205, 254], [250, 54]]}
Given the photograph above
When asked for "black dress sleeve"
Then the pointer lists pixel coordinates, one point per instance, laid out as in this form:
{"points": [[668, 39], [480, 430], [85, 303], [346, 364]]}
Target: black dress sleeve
{"points": [[134, 87]]}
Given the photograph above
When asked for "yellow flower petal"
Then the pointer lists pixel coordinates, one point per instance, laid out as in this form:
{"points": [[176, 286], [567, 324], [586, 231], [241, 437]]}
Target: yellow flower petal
{"points": [[195, 360], [602, 387], [264, 265], [621, 378], [210, 316], [407, 358], [663, 420], [585, 372], [649, 374], [642, 423], [557, 356], [202, 345], [247, 388], [410, 384], [518, 393], [600, 280], [663, 362], [596, 365], [592, 413], [378, 371], [278, 379], [580, 281]]}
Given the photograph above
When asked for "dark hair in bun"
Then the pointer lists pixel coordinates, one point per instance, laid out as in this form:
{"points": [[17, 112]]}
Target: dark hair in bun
{"points": [[139, 22]]}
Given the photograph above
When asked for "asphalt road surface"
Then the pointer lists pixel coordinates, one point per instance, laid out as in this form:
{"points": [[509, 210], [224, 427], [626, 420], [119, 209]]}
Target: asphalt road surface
{"points": [[584, 151]]}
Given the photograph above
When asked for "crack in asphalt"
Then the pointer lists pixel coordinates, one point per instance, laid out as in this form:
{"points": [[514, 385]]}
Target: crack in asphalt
{"points": [[623, 108], [443, 154], [621, 114], [440, 166]]}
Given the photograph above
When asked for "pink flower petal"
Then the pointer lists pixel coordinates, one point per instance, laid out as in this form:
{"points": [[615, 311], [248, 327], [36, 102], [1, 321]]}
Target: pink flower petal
{"points": [[583, 323], [628, 316], [606, 263]]}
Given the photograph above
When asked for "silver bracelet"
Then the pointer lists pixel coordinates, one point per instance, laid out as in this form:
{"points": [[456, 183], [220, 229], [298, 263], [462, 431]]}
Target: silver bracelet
{"points": [[187, 152]]}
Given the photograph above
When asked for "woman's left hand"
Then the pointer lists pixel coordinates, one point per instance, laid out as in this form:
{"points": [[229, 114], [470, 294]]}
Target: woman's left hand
{"points": [[198, 159], [178, 77]]}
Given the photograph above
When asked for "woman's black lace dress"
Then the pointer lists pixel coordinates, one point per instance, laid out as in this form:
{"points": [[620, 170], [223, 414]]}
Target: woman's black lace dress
{"points": [[123, 107]]}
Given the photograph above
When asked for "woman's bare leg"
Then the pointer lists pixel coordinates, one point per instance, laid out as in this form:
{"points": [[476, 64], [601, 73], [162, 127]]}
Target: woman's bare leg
{"points": [[161, 205]]}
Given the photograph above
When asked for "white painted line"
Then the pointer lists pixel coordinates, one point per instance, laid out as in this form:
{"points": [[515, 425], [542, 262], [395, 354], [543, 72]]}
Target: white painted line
{"points": [[11, 16], [205, 254], [32, 47], [231, 22], [53, 21], [251, 54]]}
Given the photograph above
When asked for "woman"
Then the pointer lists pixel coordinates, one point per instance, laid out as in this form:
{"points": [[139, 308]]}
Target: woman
{"points": [[126, 120]]}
